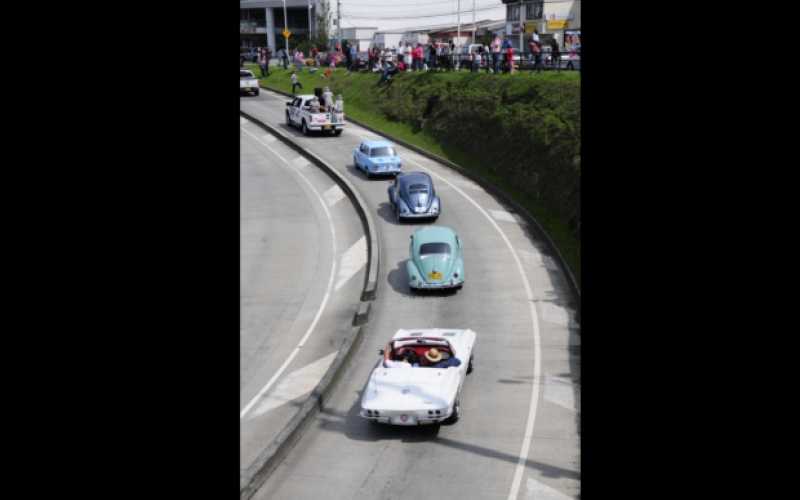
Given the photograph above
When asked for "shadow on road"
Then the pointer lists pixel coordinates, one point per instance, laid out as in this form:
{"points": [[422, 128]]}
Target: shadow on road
{"points": [[359, 429]]}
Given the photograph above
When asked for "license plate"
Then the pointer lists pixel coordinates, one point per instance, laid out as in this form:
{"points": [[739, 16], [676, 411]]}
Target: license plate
{"points": [[326, 127], [435, 275]]}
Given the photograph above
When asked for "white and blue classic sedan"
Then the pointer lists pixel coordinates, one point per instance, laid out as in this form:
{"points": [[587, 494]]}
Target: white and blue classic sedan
{"points": [[377, 158]]}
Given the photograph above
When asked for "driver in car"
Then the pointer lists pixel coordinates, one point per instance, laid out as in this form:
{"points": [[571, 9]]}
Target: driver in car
{"points": [[435, 359]]}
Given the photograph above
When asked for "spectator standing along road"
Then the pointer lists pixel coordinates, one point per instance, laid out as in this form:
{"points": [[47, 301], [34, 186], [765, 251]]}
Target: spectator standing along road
{"points": [[536, 49], [508, 53], [555, 53], [419, 55], [262, 62], [432, 56], [496, 44]]}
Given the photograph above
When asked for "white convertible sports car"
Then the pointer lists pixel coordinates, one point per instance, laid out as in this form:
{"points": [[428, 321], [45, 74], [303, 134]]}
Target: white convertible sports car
{"points": [[418, 382]]}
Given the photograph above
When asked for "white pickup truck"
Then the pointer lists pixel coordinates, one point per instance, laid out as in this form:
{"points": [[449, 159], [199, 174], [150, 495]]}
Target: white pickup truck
{"points": [[299, 114], [248, 82]]}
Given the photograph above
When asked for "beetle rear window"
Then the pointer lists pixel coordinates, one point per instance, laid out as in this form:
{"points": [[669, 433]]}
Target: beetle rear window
{"points": [[382, 151], [434, 248], [417, 188]]}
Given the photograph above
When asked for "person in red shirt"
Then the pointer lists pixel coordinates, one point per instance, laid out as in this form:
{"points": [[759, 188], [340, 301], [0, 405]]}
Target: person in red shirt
{"points": [[418, 56]]}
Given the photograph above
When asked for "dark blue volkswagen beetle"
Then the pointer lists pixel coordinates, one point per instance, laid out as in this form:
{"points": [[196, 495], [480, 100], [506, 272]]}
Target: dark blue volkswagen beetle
{"points": [[413, 197]]}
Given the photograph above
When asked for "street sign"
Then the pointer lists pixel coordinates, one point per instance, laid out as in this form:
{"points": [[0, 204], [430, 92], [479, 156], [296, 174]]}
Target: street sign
{"points": [[286, 33]]}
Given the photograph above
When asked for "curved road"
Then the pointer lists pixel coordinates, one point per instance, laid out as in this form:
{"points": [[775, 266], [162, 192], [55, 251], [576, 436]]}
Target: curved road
{"points": [[302, 256], [518, 437]]}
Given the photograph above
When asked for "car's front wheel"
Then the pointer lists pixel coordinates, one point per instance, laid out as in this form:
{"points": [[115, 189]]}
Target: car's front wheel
{"points": [[288, 119], [338, 132], [304, 128], [256, 92], [469, 367]]}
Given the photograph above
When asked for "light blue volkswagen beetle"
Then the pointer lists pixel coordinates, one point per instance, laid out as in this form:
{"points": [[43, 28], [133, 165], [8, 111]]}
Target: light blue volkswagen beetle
{"points": [[377, 158], [436, 259]]}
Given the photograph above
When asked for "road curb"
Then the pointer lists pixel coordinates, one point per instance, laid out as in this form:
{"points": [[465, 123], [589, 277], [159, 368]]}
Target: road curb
{"points": [[562, 263], [258, 472]]}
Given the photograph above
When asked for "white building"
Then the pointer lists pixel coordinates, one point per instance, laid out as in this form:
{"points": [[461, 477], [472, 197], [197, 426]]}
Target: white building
{"points": [[261, 22], [551, 19], [389, 39], [360, 37]]}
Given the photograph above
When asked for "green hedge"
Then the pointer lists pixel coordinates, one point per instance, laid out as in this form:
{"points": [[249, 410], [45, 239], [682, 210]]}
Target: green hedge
{"points": [[525, 128]]}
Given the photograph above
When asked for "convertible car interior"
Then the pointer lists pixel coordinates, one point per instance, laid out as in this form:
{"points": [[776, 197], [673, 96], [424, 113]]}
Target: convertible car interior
{"points": [[399, 350]]}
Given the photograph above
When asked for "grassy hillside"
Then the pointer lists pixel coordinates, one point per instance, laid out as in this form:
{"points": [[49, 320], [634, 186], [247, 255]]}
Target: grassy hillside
{"points": [[521, 132]]}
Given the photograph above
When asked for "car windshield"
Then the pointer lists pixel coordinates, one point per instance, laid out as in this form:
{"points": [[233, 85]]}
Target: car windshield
{"points": [[246, 74], [427, 249], [381, 151]]}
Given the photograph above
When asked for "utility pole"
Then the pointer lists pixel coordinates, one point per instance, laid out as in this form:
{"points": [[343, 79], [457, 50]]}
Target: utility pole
{"points": [[309, 20], [339, 21], [522, 14], [285, 27], [458, 37], [473, 21]]}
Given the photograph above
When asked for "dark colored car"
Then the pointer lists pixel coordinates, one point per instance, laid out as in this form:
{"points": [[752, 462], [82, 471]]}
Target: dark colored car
{"points": [[413, 197]]}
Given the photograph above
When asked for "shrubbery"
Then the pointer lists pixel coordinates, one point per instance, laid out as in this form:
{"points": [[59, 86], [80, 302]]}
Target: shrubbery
{"points": [[524, 128]]}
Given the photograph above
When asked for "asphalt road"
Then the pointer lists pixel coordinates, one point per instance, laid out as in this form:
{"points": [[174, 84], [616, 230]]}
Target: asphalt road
{"points": [[518, 437], [302, 268]]}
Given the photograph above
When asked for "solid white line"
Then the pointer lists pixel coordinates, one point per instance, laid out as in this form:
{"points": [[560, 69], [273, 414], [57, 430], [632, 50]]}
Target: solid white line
{"points": [[526, 442], [327, 291]]}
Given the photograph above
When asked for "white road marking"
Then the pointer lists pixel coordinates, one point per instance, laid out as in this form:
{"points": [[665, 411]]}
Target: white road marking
{"points": [[352, 261], [333, 195], [540, 491], [298, 383], [537, 352], [300, 162], [242, 120], [310, 330], [505, 216], [560, 391], [268, 138]]}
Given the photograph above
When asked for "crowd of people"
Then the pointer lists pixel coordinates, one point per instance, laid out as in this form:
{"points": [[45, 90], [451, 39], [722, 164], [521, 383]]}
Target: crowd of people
{"points": [[496, 57]]}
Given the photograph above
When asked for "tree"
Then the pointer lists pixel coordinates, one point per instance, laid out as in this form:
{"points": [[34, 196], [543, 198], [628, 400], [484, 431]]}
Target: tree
{"points": [[322, 36]]}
